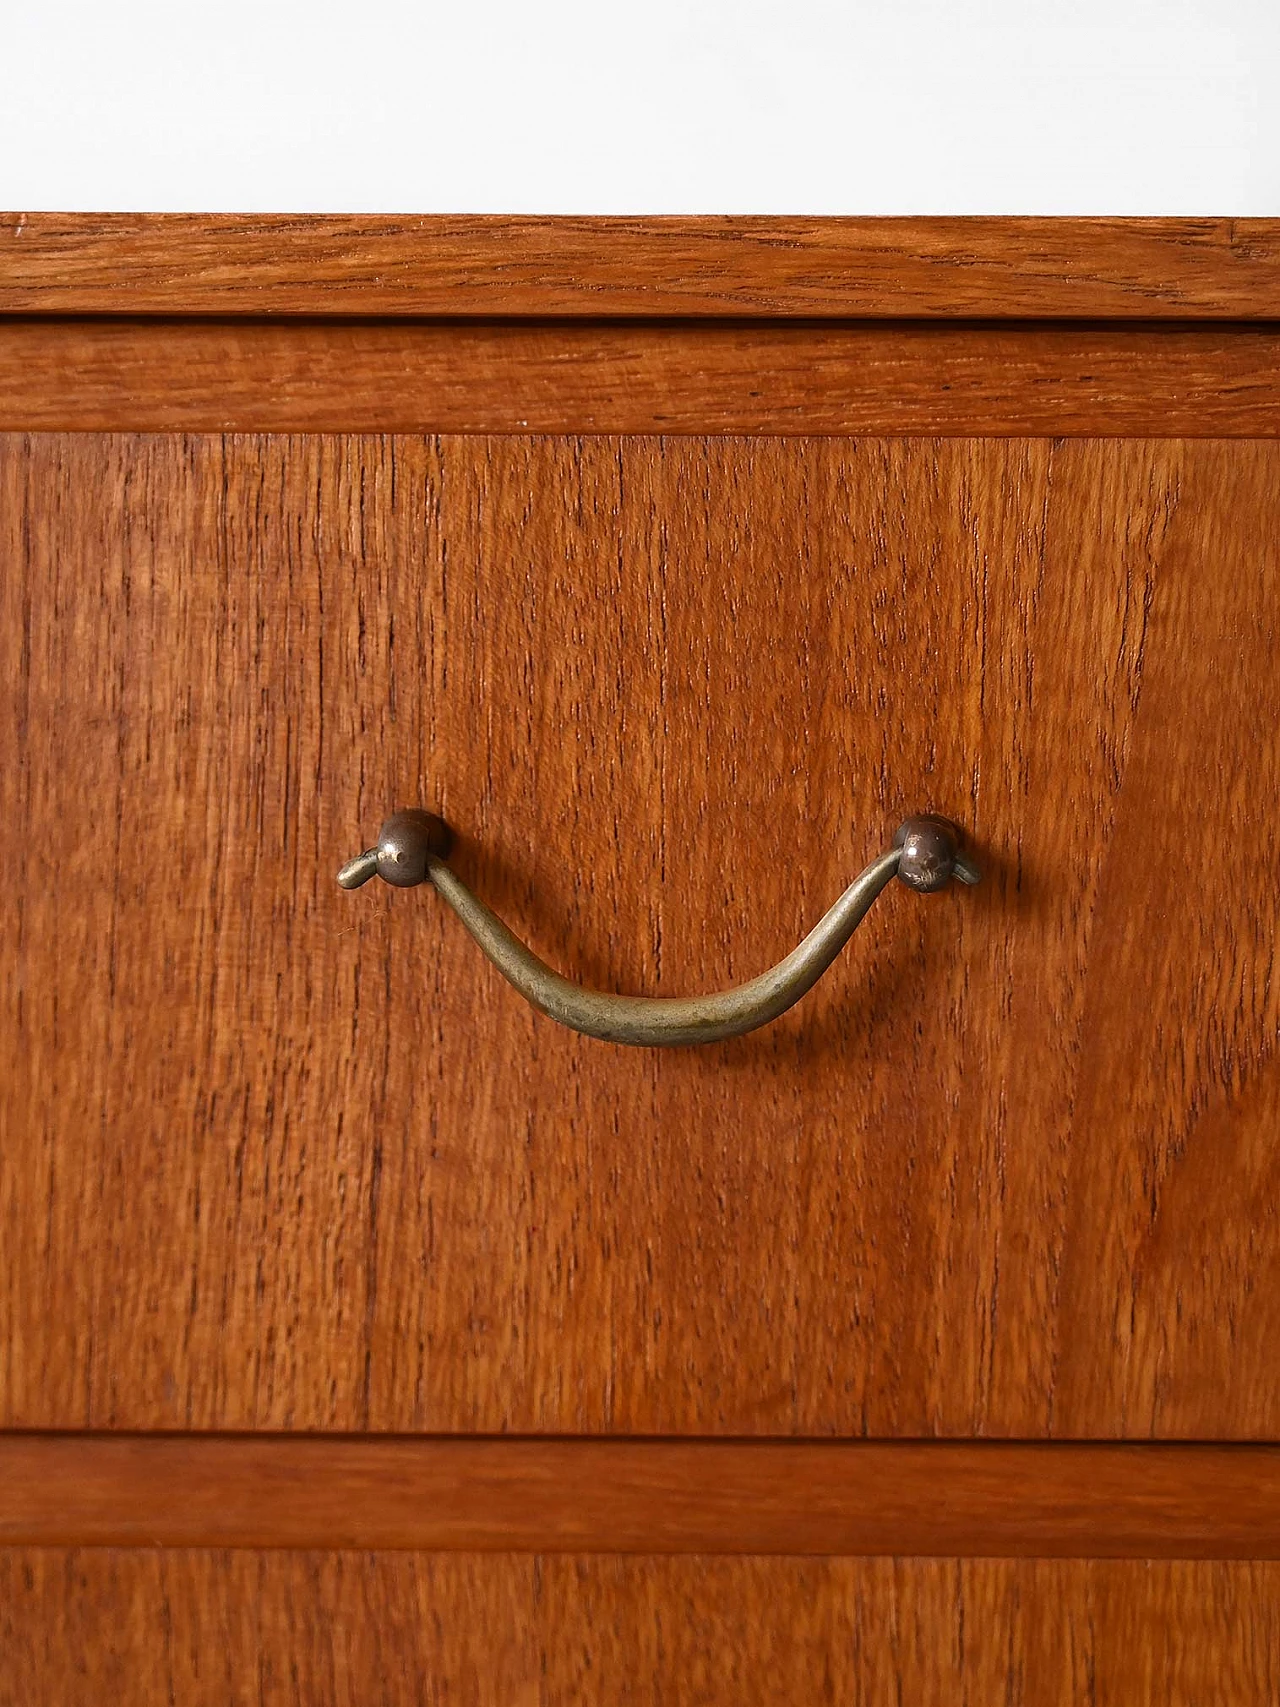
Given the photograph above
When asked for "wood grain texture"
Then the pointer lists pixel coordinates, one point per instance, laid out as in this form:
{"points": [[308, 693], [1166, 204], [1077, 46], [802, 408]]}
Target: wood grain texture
{"points": [[52, 263], [235, 1628], [276, 1156], [953, 1499], [300, 375], [291, 1629]]}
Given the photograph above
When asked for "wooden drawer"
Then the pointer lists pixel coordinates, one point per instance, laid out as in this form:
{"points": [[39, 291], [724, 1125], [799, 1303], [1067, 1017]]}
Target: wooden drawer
{"points": [[307, 1161], [673, 621], [339, 1626]]}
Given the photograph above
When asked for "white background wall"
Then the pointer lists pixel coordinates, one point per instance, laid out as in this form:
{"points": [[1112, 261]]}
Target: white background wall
{"points": [[580, 106]]}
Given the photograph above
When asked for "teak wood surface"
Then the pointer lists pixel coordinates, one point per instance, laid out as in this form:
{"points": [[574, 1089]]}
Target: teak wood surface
{"points": [[766, 379], [1118, 269], [673, 594], [463, 1493], [285, 1628], [288, 1157]]}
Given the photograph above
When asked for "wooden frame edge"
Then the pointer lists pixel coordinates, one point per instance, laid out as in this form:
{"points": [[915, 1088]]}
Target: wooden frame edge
{"points": [[230, 264], [510, 1494], [759, 378]]}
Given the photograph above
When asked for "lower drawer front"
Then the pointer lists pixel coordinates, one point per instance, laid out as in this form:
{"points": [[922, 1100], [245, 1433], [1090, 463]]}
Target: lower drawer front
{"points": [[295, 1628], [277, 1156]]}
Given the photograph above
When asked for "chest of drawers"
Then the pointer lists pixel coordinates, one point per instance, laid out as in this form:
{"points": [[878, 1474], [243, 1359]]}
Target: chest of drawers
{"points": [[365, 1330]]}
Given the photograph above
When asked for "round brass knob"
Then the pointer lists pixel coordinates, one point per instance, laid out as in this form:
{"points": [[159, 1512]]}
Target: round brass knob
{"points": [[931, 854]]}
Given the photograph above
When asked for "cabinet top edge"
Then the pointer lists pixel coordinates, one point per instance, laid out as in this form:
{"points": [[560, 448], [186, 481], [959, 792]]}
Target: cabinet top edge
{"points": [[714, 267]]}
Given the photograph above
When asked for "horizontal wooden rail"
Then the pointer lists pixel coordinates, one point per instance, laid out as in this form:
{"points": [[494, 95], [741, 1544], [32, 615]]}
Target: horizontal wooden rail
{"points": [[953, 1499], [212, 376], [58, 263]]}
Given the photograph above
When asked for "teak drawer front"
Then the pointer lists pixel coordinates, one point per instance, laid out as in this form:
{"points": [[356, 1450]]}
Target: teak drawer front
{"points": [[278, 1156], [295, 1627]]}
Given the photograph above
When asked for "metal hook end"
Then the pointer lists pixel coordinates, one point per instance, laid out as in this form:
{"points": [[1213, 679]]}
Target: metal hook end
{"points": [[359, 870]]}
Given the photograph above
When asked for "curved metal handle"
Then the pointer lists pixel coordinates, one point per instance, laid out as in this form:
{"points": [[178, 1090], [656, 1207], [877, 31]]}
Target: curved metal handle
{"points": [[926, 854]]}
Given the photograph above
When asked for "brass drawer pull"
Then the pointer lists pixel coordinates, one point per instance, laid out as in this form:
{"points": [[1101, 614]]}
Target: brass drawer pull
{"points": [[926, 854]]}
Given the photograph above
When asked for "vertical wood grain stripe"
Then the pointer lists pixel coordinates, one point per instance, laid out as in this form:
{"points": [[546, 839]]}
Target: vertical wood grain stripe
{"points": [[642, 1496]]}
